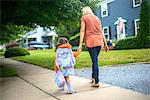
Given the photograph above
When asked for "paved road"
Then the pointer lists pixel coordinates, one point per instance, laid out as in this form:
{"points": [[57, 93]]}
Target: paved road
{"points": [[130, 76]]}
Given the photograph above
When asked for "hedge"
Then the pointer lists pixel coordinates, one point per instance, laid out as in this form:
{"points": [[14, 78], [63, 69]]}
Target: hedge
{"points": [[15, 51], [127, 43], [132, 43]]}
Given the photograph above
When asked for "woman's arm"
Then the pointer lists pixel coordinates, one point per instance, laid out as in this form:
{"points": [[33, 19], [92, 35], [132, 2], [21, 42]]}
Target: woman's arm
{"points": [[105, 43], [104, 38], [82, 32]]}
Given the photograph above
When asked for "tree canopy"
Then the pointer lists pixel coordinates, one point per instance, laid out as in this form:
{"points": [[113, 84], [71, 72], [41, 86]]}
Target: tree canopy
{"points": [[41, 12], [30, 13]]}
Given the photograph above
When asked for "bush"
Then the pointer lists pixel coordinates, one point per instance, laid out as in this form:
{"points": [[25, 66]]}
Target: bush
{"points": [[74, 48], [147, 42], [127, 43], [84, 48], [16, 51]]}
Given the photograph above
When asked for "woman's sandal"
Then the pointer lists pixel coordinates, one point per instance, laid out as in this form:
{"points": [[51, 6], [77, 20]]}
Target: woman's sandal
{"points": [[96, 85], [93, 80]]}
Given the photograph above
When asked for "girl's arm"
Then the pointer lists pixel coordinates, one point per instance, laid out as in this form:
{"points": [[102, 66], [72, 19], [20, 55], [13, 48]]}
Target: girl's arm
{"points": [[76, 54], [55, 66]]}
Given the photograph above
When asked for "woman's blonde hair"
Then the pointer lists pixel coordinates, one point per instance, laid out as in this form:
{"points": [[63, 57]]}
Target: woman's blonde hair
{"points": [[87, 10]]}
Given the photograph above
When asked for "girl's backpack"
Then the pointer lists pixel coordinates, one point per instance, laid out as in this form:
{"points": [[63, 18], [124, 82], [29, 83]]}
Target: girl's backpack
{"points": [[65, 57]]}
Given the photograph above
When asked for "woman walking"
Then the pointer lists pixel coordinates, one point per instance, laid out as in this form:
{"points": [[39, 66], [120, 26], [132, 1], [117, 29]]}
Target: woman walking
{"points": [[94, 38]]}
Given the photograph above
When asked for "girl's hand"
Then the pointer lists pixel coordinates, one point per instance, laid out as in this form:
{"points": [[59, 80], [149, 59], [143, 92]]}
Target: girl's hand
{"points": [[56, 69]]}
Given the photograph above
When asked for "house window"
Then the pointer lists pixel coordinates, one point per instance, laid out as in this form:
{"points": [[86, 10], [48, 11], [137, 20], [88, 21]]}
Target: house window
{"points": [[24, 40], [31, 39], [137, 3], [104, 10], [106, 32], [136, 25]]}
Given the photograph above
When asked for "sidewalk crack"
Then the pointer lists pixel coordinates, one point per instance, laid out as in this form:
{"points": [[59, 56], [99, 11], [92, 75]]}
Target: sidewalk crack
{"points": [[38, 87]]}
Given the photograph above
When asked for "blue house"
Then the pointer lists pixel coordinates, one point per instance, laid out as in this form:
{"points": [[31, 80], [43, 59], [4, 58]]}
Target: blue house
{"points": [[119, 18]]}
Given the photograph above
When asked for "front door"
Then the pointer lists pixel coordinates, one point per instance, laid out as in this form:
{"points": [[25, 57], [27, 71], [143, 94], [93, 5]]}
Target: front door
{"points": [[120, 33], [120, 26]]}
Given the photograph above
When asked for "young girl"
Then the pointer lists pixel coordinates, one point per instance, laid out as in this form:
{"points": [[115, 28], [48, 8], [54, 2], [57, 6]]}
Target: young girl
{"points": [[65, 61]]}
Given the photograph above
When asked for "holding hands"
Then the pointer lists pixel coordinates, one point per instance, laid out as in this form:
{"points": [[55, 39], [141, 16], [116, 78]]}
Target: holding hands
{"points": [[79, 48]]}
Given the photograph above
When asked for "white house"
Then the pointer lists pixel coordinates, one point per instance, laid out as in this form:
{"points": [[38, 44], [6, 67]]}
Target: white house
{"points": [[38, 36]]}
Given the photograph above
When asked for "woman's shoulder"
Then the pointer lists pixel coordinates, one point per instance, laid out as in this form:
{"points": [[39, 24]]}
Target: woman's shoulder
{"points": [[84, 16], [89, 16]]}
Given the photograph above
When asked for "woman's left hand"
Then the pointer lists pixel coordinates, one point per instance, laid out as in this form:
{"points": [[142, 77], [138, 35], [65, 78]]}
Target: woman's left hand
{"points": [[79, 48]]}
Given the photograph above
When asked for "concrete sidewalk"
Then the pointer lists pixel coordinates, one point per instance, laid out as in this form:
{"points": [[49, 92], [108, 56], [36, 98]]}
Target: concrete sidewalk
{"points": [[37, 83]]}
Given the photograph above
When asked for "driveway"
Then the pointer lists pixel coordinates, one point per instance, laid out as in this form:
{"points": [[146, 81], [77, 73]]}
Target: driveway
{"points": [[135, 77]]}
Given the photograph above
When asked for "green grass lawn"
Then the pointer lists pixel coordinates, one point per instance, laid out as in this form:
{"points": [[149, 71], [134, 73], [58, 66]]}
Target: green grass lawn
{"points": [[45, 58], [6, 72]]}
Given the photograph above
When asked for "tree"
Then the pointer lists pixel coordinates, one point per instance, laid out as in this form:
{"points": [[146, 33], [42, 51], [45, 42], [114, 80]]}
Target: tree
{"points": [[41, 12], [46, 13], [11, 32], [144, 25], [71, 28]]}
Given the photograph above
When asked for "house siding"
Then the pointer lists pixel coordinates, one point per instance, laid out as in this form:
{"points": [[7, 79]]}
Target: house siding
{"points": [[120, 8]]}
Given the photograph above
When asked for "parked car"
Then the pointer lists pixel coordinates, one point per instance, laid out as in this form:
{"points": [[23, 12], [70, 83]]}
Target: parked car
{"points": [[37, 45]]}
